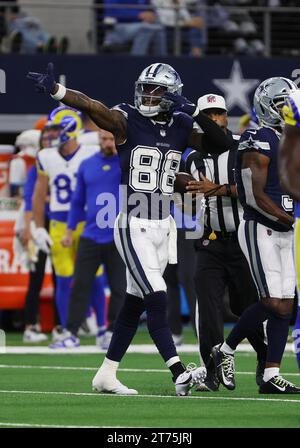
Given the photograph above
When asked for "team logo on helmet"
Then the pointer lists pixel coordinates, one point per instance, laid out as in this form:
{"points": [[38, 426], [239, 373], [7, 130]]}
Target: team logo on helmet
{"points": [[269, 99], [152, 84], [68, 120]]}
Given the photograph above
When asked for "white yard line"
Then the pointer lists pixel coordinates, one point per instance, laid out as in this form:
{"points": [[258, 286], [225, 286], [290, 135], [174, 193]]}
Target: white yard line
{"points": [[94, 369], [164, 397], [36, 425], [134, 348]]}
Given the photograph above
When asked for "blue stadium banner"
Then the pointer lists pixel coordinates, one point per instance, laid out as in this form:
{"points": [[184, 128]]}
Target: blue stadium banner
{"points": [[111, 78]]}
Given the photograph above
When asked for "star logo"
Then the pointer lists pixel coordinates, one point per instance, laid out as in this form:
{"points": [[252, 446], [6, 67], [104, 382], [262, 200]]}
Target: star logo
{"points": [[236, 88]]}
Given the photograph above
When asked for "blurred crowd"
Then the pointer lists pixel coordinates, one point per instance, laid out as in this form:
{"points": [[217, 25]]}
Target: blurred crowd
{"points": [[158, 27]]}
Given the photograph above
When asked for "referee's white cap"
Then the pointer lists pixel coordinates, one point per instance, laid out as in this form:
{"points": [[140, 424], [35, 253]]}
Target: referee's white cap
{"points": [[211, 101]]}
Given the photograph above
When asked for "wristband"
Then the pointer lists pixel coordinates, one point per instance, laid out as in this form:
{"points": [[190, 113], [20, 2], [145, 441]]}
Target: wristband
{"points": [[60, 93], [228, 189]]}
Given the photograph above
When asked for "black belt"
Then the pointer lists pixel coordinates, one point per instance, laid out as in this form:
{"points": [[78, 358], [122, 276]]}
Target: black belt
{"points": [[214, 235]]}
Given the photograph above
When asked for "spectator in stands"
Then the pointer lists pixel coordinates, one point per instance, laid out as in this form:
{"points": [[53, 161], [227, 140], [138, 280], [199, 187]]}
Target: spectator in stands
{"points": [[25, 34], [136, 26], [237, 25], [173, 13]]}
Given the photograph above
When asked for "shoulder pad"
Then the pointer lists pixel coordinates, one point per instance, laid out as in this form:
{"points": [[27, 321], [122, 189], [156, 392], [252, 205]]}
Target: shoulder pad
{"points": [[253, 140], [124, 108]]}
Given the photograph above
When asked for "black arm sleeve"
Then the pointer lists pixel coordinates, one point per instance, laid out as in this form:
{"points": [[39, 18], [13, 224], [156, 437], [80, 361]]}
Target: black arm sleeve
{"points": [[214, 139]]}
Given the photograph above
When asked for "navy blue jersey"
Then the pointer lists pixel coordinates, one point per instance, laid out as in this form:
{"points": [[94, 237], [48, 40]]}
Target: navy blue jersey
{"points": [[149, 159], [265, 141]]}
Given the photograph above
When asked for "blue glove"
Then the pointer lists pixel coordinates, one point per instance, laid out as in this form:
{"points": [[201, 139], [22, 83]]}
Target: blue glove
{"points": [[179, 103], [44, 82]]}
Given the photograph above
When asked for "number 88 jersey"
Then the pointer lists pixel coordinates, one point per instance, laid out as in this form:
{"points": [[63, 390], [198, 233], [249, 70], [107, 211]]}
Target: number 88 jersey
{"points": [[62, 172], [150, 158]]}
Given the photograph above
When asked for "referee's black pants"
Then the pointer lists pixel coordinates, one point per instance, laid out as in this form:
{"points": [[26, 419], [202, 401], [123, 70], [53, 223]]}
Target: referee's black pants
{"points": [[181, 273], [90, 256], [221, 263]]}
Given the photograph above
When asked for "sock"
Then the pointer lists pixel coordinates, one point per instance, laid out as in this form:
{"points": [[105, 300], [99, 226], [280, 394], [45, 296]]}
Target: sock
{"points": [[256, 339], [270, 372], [176, 367], [249, 321], [125, 327], [296, 335], [277, 331], [62, 295], [226, 349], [156, 308], [109, 364], [98, 301]]}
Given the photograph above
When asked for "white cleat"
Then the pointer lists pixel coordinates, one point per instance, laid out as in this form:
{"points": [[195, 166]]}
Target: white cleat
{"points": [[103, 340], [192, 376], [34, 335], [103, 382]]}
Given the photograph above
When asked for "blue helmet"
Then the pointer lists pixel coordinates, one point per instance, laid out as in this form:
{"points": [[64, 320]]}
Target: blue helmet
{"points": [[68, 120]]}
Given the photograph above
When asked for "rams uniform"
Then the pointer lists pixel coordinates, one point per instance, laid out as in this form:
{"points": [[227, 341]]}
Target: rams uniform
{"points": [[61, 172]]}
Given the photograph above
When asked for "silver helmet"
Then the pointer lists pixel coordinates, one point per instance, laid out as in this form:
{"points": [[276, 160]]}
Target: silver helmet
{"points": [[269, 98], [152, 84]]}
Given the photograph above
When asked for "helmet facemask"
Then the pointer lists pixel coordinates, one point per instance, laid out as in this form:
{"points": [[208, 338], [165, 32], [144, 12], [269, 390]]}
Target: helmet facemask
{"points": [[148, 98], [153, 83], [268, 103]]}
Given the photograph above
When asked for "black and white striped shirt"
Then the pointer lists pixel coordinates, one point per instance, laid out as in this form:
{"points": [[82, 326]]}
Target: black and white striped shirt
{"points": [[222, 213]]}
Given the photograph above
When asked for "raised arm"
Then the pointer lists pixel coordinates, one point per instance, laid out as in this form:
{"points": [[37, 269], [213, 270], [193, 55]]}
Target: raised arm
{"points": [[110, 120]]}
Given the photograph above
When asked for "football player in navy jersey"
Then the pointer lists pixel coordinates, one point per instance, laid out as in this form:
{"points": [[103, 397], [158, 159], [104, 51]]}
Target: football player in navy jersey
{"points": [[150, 137], [289, 170], [266, 238]]}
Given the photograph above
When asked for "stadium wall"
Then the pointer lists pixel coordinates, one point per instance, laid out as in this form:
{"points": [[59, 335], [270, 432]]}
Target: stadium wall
{"points": [[111, 79]]}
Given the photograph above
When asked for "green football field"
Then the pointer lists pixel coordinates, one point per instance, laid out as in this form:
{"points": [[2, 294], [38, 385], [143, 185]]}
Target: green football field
{"points": [[42, 390]]}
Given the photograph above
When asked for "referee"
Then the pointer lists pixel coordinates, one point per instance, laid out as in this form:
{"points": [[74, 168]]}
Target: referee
{"points": [[220, 261]]}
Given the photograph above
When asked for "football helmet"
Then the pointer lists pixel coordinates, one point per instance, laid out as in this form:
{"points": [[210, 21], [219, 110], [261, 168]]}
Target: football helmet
{"points": [[68, 120], [152, 84], [269, 99]]}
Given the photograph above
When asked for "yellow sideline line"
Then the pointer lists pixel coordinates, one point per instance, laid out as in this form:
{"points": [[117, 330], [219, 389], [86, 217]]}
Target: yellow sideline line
{"points": [[193, 397]]}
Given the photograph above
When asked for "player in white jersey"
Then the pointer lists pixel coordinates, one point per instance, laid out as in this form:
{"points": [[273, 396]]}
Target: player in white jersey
{"points": [[57, 168]]}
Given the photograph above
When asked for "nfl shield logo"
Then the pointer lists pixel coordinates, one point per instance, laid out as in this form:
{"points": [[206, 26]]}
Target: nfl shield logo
{"points": [[163, 132], [269, 232], [211, 99]]}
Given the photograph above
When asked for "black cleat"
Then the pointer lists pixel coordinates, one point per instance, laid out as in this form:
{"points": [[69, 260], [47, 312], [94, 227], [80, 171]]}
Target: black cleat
{"points": [[210, 384], [278, 385], [260, 367], [224, 365]]}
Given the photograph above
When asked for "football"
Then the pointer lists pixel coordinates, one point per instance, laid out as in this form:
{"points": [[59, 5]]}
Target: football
{"points": [[181, 181]]}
